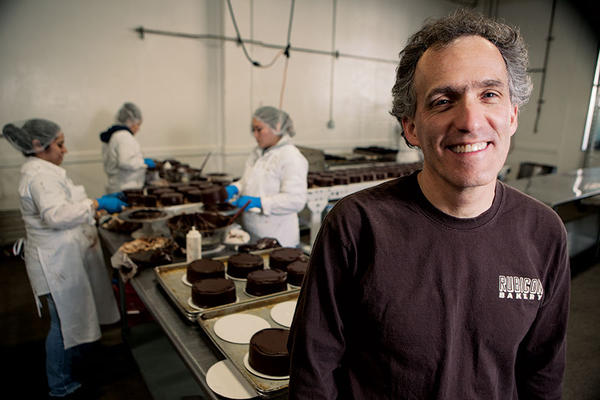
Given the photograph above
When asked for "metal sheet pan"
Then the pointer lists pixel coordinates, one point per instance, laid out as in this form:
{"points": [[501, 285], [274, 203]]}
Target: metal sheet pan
{"points": [[235, 352], [169, 277]]}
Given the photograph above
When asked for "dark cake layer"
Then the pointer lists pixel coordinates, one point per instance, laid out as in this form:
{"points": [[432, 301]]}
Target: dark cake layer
{"points": [[204, 269], [296, 272], [266, 281], [268, 352], [170, 199], [213, 292], [280, 258], [240, 265]]}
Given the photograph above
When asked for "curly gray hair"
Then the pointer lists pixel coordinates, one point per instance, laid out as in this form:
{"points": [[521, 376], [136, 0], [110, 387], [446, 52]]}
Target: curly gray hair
{"points": [[441, 32]]}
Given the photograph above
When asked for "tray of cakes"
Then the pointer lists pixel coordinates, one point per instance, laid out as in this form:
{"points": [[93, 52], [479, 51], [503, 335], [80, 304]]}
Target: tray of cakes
{"points": [[223, 282], [175, 198], [253, 336]]}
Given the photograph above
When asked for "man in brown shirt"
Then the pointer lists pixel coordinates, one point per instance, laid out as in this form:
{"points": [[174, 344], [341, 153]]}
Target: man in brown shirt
{"points": [[445, 284]]}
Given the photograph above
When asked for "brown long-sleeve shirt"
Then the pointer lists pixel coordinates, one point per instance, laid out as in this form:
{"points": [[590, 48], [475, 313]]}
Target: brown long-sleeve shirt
{"points": [[402, 301]]}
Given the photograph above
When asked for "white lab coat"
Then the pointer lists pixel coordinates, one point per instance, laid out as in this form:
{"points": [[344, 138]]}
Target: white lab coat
{"points": [[123, 162], [278, 177], [62, 251]]}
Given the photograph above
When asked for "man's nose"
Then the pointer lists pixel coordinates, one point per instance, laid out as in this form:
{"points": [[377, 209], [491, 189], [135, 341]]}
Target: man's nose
{"points": [[469, 115]]}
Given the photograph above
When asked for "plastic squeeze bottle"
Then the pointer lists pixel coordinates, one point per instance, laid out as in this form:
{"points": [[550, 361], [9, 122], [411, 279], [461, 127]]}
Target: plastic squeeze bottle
{"points": [[193, 245]]}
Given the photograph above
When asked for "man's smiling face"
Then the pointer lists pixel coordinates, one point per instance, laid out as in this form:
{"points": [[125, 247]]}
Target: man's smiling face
{"points": [[464, 118]]}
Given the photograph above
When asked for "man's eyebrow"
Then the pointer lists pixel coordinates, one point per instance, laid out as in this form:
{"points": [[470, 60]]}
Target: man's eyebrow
{"points": [[449, 89]]}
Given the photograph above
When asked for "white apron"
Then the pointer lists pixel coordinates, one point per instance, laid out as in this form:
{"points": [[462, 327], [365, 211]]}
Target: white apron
{"points": [[72, 263]]}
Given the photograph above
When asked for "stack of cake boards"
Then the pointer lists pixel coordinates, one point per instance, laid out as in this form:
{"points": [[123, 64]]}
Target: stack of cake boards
{"points": [[206, 284]]}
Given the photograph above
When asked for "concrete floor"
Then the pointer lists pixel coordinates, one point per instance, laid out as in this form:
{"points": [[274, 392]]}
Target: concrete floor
{"points": [[147, 367]]}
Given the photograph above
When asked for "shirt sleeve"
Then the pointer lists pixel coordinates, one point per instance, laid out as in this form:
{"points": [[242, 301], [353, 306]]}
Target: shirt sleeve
{"points": [[129, 154], [541, 356], [317, 343], [293, 190], [54, 206]]}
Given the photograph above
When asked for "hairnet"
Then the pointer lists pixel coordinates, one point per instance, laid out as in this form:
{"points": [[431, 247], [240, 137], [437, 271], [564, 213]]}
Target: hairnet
{"points": [[129, 114], [22, 134], [277, 119]]}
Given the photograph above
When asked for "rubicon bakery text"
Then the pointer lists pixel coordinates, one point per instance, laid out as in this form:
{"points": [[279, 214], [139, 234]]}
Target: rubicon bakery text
{"points": [[520, 288]]}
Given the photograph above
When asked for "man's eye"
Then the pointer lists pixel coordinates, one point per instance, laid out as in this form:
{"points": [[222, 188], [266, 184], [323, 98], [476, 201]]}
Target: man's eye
{"points": [[441, 102], [490, 94]]}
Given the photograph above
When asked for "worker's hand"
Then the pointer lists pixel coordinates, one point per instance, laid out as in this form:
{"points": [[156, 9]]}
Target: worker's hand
{"points": [[232, 190], [110, 204], [149, 162], [118, 195], [254, 202]]}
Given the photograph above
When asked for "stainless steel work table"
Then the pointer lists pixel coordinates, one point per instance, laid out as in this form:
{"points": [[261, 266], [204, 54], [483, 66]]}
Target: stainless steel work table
{"points": [[191, 343], [557, 189]]}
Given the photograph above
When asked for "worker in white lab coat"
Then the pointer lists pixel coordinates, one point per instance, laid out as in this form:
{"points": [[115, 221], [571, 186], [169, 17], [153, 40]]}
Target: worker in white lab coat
{"points": [[124, 163], [62, 253], [274, 180]]}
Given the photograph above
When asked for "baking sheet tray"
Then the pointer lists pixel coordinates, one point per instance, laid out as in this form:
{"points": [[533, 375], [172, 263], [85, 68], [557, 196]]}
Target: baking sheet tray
{"points": [[169, 277], [235, 352]]}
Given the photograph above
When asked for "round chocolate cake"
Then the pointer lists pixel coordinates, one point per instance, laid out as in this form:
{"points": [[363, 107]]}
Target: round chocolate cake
{"points": [[268, 352], [266, 281], [213, 292], [204, 269], [171, 199], [296, 272], [280, 258], [214, 194], [146, 214], [240, 265], [194, 196]]}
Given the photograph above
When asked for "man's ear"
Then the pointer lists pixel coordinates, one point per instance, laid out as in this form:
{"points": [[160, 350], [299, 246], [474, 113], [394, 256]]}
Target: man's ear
{"points": [[408, 125]]}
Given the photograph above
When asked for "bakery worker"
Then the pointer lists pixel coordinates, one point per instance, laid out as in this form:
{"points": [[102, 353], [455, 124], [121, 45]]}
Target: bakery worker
{"points": [[274, 180], [124, 163], [447, 283], [62, 253]]}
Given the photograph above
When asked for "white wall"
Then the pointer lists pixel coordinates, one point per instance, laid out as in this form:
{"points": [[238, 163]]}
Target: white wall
{"points": [[571, 62], [75, 62]]}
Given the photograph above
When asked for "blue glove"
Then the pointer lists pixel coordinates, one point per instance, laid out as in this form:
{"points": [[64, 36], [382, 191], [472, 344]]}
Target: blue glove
{"points": [[118, 195], [254, 202], [231, 191], [149, 162], [110, 204]]}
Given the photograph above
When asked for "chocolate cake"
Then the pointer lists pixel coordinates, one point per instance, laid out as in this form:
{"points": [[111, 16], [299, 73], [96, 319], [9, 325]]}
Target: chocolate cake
{"points": [[268, 352], [296, 272], [157, 191], [194, 196], [171, 199], [214, 194], [266, 281], [240, 265], [204, 269], [146, 214], [213, 292], [280, 258]]}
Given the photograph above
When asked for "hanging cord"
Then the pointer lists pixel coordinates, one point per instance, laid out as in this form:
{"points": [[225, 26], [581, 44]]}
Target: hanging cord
{"points": [[286, 51], [331, 123], [241, 42]]}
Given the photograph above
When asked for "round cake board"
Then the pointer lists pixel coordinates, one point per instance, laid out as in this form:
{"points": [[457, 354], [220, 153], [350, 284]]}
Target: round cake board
{"points": [[184, 280], [260, 374], [239, 328], [283, 313], [223, 379]]}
